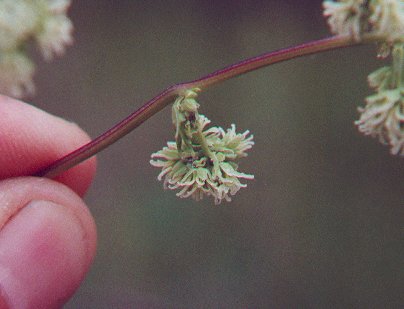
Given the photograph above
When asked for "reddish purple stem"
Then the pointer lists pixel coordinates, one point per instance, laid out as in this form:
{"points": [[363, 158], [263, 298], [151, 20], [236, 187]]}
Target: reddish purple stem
{"points": [[167, 96]]}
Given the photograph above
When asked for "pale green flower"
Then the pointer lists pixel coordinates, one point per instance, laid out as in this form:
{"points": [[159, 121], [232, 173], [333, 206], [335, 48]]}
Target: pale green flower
{"points": [[381, 78], [201, 161], [383, 115], [233, 144], [196, 177]]}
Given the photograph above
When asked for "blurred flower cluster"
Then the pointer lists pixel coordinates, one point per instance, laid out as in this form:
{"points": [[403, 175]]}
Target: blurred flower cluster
{"points": [[384, 18], [43, 22], [345, 16], [202, 161], [383, 115]]}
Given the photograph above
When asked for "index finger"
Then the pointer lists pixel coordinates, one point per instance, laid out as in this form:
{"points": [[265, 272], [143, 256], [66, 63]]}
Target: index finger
{"points": [[31, 139]]}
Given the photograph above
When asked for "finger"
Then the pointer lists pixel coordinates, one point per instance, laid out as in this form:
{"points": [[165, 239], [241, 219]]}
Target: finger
{"points": [[47, 243], [31, 139]]}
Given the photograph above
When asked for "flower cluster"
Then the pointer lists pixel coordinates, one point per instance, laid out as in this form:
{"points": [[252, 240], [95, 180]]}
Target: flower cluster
{"points": [[202, 161], [383, 115], [22, 21], [384, 18]]}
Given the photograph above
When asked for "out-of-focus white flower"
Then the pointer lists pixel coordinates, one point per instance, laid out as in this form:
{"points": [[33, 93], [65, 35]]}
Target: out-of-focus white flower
{"points": [[384, 18], [387, 19], [345, 16], [46, 22], [55, 28], [16, 71], [18, 20], [55, 7], [383, 115], [202, 161], [55, 36]]}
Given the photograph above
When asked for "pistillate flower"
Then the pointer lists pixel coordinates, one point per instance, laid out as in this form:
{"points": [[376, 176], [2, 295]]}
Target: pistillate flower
{"points": [[201, 161], [23, 21]]}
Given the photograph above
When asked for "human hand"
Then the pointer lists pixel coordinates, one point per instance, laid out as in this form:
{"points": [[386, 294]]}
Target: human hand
{"points": [[47, 234]]}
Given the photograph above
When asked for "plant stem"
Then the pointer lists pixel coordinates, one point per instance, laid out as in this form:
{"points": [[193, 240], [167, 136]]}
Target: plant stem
{"points": [[167, 96]]}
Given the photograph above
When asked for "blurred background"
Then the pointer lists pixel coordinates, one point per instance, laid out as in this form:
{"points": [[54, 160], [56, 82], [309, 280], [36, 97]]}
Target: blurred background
{"points": [[320, 226]]}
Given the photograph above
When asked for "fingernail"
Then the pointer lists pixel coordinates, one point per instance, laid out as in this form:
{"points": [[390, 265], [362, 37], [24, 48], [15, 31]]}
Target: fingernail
{"points": [[43, 256]]}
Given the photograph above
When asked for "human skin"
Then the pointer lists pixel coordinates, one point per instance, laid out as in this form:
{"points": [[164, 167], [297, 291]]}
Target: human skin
{"points": [[47, 234]]}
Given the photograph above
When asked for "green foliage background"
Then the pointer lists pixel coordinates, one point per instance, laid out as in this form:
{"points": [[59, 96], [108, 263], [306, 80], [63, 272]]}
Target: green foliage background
{"points": [[321, 224]]}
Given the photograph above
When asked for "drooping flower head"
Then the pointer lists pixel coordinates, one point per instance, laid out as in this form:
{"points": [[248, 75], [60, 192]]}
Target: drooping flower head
{"points": [[383, 115], [201, 161]]}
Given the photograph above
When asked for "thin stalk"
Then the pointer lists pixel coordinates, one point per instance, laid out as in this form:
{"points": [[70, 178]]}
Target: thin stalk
{"points": [[167, 96]]}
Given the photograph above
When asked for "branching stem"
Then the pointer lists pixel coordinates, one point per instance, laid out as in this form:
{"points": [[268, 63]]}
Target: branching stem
{"points": [[167, 96]]}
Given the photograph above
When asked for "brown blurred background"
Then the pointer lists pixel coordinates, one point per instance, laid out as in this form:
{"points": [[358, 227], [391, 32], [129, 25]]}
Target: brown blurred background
{"points": [[320, 227]]}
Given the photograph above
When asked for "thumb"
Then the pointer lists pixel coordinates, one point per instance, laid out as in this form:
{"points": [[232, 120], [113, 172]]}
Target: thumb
{"points": [[47, 243]]}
